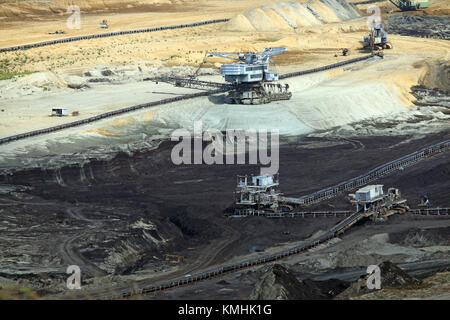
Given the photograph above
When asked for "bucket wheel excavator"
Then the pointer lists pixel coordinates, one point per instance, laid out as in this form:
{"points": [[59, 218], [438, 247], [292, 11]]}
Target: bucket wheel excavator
{"points": [[248, 81]]}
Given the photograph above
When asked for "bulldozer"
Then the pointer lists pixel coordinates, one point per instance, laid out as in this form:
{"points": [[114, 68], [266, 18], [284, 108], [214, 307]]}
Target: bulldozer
{"points": [[377, 39]]}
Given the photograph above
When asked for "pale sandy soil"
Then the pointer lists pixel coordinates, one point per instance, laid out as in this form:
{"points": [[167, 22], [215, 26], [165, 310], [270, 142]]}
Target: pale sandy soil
{"points": [[404, 66], [13, 30]]}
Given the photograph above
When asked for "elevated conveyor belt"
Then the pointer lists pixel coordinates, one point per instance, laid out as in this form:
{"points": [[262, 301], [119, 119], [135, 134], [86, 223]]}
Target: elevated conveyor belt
{"points": [[221, 270]]}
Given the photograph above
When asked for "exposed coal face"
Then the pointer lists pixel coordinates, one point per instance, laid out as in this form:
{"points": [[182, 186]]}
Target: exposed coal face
{"points": [[422, 237], [437, 27], [431, 97]]}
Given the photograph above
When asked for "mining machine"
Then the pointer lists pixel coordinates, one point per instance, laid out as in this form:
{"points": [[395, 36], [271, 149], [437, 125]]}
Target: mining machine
{"points": [[250, 77], [248, 81]]}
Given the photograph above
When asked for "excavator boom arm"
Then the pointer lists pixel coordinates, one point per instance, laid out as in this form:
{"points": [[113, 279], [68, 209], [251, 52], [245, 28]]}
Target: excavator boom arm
{"points": [[396, 3], [262, 56]]}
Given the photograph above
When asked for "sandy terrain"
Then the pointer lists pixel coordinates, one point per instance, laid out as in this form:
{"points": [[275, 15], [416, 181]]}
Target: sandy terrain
{"points": [[408, 64], [309, 46], [335, 99]]}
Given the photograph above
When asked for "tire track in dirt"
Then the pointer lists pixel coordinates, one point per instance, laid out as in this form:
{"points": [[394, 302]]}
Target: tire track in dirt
{"points": [[71, 255]]}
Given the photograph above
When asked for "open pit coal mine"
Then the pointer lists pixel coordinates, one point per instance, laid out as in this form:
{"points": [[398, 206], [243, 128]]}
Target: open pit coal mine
{"points": [[140, 212]]}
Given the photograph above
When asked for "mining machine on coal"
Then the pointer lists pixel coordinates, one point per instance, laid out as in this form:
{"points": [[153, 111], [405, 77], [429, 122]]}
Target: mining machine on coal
{"points": [[260, 196]]}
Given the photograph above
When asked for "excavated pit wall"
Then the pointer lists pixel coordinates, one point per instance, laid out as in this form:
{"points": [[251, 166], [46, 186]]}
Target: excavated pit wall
{"points": [[288, 16]]}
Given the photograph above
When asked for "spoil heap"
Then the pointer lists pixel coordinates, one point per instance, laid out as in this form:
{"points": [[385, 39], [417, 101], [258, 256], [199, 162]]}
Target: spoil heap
{"points": [[279, 283], [285, 16]]}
